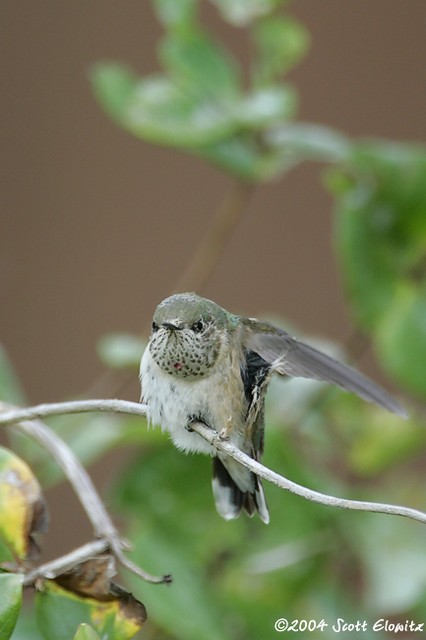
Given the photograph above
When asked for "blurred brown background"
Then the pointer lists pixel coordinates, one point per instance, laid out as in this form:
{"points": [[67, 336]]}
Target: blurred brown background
{"points": [[96, 225]]}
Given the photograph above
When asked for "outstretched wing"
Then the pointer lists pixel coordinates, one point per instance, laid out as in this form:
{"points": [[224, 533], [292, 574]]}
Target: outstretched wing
{"points": [[290, 357]]}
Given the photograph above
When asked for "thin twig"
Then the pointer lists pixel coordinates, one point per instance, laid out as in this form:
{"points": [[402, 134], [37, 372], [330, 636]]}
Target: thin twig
{"points": [[208, 252], [123, 406], [55, 568]]}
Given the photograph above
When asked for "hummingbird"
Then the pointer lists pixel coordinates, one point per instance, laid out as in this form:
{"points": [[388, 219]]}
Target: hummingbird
{"points": [[206, 365]]}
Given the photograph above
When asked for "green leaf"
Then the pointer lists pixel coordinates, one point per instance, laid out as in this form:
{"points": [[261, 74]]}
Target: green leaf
{"points": [[266, 107], [26, 627], [176, 13], [246, 158], [200, 66], [60, 612], [309, 142], [281, 43], [86, 632], [243, 12], [121, 350], [194, 105], [10, 389], [381, 225], [367, 277], [282, 147], [113, 85], [10, 602], [159, 111], [401, 338]]}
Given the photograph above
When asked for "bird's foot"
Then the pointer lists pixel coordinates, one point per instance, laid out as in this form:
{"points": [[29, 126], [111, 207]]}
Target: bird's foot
{"points": [[225, 433], [194, 420]]}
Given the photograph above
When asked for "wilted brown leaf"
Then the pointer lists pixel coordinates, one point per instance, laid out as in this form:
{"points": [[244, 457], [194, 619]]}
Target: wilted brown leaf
{"points": [[92, 579]]}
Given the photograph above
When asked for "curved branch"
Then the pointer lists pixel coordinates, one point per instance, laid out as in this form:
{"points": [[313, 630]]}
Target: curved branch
{"points": [[12, 416], [300, 490], [123, 406]]}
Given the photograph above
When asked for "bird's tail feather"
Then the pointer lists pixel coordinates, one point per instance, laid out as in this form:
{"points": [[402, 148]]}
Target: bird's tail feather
{"points": [[231, 500]]}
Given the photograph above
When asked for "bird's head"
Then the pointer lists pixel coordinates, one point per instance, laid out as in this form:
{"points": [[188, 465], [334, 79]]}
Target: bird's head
{"points": [[187, 335]]}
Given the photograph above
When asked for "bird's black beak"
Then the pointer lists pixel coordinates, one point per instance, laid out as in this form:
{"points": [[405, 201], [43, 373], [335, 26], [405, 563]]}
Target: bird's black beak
{"points": [[173, 326]]}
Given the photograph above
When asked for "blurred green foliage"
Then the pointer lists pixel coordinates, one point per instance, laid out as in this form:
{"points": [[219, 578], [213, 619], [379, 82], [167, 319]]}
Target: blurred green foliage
{"points": [[198, 102], [233, 580], [381, 241]]}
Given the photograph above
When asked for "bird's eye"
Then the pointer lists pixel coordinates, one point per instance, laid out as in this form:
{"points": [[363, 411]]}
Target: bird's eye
{"points": [[198, 326], [155, 327]]}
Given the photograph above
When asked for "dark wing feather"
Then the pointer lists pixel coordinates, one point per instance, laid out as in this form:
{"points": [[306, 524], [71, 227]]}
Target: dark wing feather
{"points": [[293, 358]]}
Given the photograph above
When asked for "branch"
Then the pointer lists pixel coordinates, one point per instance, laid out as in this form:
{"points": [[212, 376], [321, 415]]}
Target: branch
{"points": [[210, 247], [26, 421], [309, 494], [12, 416], [123, 406], [55, 568]]}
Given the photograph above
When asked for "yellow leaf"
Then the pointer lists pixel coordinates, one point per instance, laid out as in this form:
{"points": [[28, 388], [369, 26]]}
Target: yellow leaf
{"points": [[23, 512], [118, 615]]}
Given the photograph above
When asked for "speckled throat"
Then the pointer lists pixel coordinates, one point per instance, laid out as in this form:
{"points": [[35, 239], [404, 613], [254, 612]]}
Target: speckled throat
{"points": [[180, 352]]}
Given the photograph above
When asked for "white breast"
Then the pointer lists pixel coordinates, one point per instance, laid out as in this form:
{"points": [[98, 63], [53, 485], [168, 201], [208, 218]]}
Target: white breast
{"points": [[173, 400]]}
